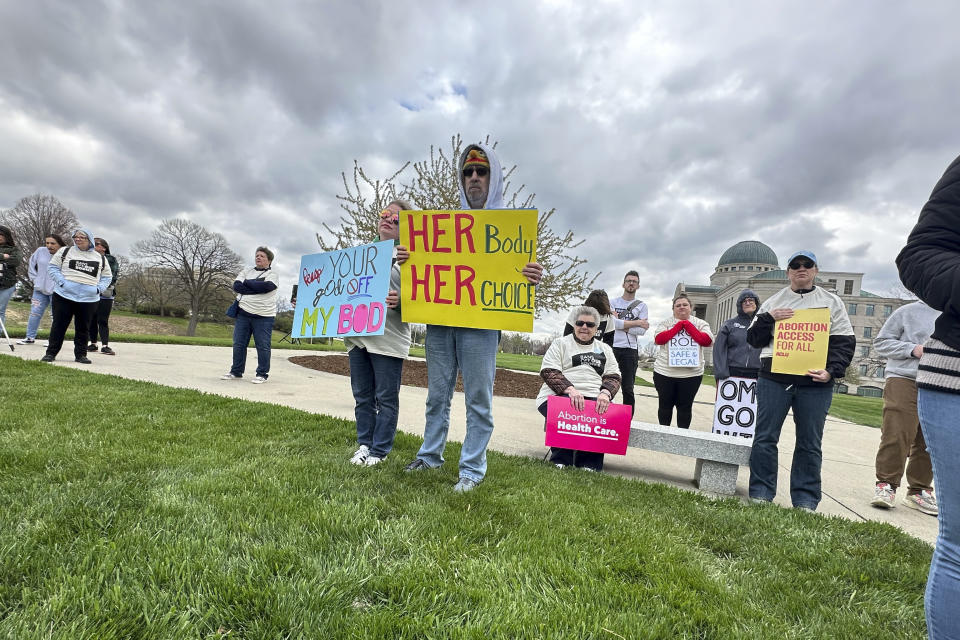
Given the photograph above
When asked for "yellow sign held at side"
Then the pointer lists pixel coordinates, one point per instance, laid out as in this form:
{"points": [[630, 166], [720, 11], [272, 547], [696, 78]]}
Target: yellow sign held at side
{"points": [[800, 343], [465, 268]]}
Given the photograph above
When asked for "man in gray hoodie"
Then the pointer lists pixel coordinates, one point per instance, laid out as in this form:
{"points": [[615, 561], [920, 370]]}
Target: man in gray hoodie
{"points": [[472, 352], [900, 341]]}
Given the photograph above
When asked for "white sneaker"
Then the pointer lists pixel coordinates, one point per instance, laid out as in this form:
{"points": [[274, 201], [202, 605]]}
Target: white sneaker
{"points": [[884, 496], [26, 341], [258, 380], [373, 461], [360, 455], [229, 376], [923, 501]]}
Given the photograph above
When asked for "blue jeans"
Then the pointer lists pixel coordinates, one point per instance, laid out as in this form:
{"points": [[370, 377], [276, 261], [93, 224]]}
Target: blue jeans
{"points": [[375, 381], [938, 419], [38, 304], [262, 329], [5, 295], [810, 405], [473, 352]]}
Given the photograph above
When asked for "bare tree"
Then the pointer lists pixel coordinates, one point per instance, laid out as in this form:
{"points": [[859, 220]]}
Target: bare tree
{"points": [[157, 286], [32, 219], [435, 185], [201, 260], [130, 294]]}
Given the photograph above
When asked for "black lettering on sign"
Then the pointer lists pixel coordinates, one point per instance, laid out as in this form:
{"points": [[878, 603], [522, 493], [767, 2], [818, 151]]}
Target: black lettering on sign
{"points": [[596, 360], [89, 267]]}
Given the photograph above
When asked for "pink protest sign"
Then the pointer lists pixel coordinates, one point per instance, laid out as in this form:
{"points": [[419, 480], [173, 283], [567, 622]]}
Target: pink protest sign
{"points": [[587, 430]]}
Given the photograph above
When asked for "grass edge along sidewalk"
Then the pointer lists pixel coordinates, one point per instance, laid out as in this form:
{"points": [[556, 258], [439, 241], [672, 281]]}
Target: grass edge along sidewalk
{"points": [[136, 510]]}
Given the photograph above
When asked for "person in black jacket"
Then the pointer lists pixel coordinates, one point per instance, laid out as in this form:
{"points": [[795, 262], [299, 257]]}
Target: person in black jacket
{"points": [[100, 322], [809, 395], [930, 267], [599, 300], [732, 354]]}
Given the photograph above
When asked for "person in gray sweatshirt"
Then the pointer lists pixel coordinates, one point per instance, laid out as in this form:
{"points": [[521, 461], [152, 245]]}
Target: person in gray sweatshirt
{"points": [[900, 341]]}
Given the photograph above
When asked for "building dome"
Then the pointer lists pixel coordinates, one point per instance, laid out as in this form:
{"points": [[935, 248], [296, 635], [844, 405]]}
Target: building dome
{"points": [[748, 252]]}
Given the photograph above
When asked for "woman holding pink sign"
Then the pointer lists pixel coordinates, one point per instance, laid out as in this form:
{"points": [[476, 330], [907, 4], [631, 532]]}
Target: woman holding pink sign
{"points": [[582, 368], [678, 370]]}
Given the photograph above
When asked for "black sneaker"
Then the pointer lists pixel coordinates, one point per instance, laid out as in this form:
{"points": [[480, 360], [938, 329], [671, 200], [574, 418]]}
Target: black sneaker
{"points": [[92, 347], [47, 358], [107, 350], [83, 360], [416, 465]]}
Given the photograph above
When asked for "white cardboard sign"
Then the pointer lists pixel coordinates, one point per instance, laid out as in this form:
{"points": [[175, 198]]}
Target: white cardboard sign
{"points": [[683, 351], [735, 413]]}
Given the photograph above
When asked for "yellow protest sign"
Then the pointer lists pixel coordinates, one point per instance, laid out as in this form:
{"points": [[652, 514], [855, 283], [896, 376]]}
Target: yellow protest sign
{"points": [[800, 343], [464, 268]]}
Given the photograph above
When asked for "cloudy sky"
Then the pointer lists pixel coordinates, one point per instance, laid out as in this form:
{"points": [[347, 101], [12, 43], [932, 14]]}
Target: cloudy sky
{"points": [[662, 132]]}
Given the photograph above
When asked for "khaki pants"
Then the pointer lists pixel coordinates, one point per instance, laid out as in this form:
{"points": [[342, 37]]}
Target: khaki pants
{"points": [[900, 437]]}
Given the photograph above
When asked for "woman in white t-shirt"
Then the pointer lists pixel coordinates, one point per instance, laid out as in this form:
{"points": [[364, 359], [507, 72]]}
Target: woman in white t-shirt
{"points": [[579, 367], [256, 289], [677, 383]]}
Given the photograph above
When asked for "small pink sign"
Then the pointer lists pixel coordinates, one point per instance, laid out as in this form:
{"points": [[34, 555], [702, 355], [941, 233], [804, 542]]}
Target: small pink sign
{"points": [[587, 430]]}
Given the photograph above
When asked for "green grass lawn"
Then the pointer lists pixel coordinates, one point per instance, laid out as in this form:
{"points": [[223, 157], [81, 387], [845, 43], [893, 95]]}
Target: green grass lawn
{"points": [[859, 409], [151, 512]]}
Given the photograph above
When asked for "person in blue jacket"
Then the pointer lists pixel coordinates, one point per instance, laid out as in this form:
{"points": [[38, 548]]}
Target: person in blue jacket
{"points": [[81, 275]]}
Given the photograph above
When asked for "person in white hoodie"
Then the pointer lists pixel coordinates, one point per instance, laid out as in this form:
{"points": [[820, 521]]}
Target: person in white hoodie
{"points": [[42, 284], [472, 352], [80, 275]]}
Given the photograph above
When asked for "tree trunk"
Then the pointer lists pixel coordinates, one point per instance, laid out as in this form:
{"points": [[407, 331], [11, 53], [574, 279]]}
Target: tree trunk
{"points": [[192, 325]]}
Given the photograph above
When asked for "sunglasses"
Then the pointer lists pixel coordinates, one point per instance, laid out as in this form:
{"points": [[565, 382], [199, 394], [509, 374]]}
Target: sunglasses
{"points": [[386, 214], [480, 171], [584, 323], [801, 264]]}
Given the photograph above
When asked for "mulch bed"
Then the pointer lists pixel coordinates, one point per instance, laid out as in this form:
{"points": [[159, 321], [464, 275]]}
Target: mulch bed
{"points": [[506, 383]]}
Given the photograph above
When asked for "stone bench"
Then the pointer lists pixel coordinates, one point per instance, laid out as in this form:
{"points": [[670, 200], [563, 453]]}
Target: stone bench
{"points": [[718, 457]]}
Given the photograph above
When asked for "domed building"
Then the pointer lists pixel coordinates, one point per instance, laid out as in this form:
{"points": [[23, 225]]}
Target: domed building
{"points": [[746, 256], [751, 264]]}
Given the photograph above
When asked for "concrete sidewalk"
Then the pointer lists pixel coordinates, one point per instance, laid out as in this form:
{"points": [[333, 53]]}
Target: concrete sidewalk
{"points": [[849, 449]]}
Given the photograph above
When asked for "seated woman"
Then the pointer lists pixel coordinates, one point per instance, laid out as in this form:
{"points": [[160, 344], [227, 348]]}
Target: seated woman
{"points": [[598, 300], [582, 368]]}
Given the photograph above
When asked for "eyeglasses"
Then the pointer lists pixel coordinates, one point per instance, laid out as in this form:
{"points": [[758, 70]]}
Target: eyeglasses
{"points": [[584, 323], [801, 264], [631, 282], [79, 237], [387, 214], [480, 171]]}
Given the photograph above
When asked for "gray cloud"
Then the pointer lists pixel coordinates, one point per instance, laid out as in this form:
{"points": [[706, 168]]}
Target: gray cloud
{"points": [[662, 134]]}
